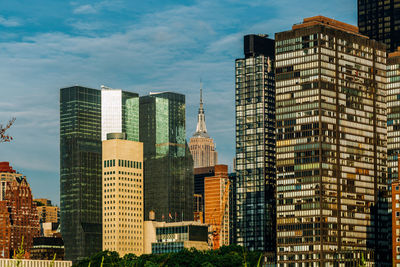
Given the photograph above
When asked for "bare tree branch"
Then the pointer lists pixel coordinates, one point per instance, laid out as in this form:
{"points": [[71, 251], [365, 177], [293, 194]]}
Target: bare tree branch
{"points": [[3, 136]]}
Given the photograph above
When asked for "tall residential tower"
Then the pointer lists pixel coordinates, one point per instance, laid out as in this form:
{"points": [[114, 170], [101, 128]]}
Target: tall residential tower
{"points": [[331, 145], [255, 145]]}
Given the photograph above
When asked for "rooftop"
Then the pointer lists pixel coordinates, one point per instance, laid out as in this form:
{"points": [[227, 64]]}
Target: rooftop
{"points": [[321, 20], [5, 167], [395, 53]]}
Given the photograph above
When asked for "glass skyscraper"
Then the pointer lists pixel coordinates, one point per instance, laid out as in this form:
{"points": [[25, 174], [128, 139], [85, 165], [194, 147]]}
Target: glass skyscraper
{"points": [[119, 113], [80, 171], [331, 146], [380, 20], [255, 145], [168, 164]]}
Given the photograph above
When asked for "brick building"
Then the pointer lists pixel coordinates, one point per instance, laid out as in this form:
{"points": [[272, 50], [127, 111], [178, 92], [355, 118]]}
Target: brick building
{"points": [[19, 221]]}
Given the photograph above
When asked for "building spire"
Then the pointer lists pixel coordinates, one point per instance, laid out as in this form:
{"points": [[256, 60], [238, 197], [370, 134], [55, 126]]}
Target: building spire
{"points": [[201, 94], [201, 129]]}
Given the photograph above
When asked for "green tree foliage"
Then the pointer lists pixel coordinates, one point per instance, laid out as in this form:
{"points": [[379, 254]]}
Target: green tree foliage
{"points": [[226, 256]]}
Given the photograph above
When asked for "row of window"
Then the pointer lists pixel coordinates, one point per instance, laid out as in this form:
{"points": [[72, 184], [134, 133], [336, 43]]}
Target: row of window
{"points": [[123, 163]]}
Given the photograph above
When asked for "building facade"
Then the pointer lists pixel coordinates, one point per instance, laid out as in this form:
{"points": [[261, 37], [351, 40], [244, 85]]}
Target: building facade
{"points": [[47, 248], [393, 146], [380, 20], [395, 223], [255, 145], [393, 114], [80, 171], [331, 145], [216, 208], [201, 145], [199, 175], [168, 164], [119, 113], [34, 263], [47, 212], [123, 196], [19, 221]]}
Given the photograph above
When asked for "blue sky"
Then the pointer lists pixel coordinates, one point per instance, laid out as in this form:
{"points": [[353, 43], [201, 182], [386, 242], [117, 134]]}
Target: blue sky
{"points": [[140, 46]]}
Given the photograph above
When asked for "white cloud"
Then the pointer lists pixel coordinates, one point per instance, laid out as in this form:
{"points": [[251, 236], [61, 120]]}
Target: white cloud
{"points": [[96, 7], [85, 9], [10, 22]]}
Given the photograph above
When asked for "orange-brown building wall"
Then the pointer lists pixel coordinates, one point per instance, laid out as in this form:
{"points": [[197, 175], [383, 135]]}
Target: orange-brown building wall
{"points": [[396, 222], [213, 193]]}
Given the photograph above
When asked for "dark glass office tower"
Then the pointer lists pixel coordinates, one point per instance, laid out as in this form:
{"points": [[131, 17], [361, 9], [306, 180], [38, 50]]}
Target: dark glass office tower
{"points": [[380, 20], [80, 171], [168, 164], [255, 145]]}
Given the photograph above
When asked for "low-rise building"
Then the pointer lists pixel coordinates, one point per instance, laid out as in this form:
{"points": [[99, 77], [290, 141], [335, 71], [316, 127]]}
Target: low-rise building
{"points": [[47, 248], [19, 221], [163, 237], [34, 263], [47, 212]]}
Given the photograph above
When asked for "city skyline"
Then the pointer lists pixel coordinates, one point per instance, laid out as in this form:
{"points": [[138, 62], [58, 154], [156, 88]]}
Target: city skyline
{"points": [[80, 46]]}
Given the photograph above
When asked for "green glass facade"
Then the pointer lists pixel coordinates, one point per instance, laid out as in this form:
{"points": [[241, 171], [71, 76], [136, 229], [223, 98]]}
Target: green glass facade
{"points": [[80, 171], [168, 164], [130, 115]]}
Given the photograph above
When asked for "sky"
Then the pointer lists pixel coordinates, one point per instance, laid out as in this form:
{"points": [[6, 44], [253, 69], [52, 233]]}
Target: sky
{"points": [[140, 46]]}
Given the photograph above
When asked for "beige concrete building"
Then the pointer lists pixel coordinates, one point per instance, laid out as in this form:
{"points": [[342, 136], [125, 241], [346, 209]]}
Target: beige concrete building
{"points": [[201, 145], [47, 212], [122, 196]]}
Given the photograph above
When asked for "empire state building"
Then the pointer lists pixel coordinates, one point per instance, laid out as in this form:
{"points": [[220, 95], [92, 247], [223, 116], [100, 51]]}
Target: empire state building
{"points": [[201, 145]]}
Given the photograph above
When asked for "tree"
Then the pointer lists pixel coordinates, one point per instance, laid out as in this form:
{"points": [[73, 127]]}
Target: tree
{"points": [[3, 136]]}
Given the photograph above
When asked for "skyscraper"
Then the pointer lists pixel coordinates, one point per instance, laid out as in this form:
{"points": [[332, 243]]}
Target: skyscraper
{"points": [[393, 147], [331, 145], [80, 171], [255, 144], [380, 20], [119, 113], [201, 145], [168, 164], [122, 195]]}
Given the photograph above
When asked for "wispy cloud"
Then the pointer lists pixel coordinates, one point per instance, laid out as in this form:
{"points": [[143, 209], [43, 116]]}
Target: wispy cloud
{"points": [[85, 9], [159, 49], [10, 22], [94, 8]]}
